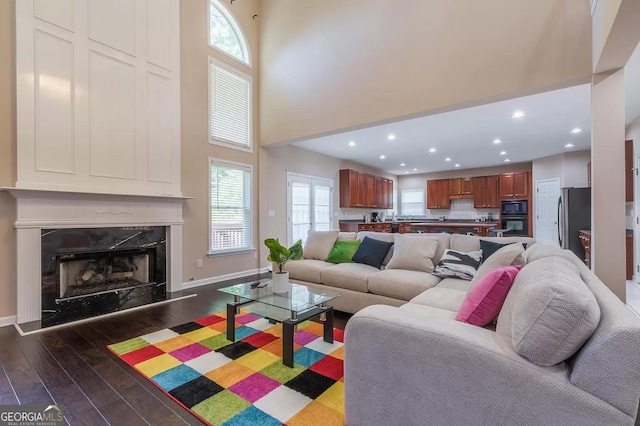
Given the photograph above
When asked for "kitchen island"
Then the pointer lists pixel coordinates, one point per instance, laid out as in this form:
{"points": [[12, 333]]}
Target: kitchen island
{"points": [[405, 227]]}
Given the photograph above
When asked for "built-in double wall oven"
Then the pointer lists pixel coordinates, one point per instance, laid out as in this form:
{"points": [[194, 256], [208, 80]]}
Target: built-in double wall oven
{"points": [[515, 217]]}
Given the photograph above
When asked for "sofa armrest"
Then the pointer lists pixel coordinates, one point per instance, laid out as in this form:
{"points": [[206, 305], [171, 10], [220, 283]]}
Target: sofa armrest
{"points": [[409, 367]]}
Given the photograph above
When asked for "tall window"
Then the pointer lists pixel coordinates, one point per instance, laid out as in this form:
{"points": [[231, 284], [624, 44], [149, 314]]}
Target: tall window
{"points": [[230, 206], [225, 33], [412, 202], [229, 106], [310, 201]]}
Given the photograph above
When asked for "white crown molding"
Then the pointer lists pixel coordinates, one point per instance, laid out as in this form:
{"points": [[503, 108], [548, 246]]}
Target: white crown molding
{"points": [[19, 193]]}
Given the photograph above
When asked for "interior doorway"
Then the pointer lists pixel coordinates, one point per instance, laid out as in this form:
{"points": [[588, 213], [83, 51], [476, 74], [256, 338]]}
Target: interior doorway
{"points": [[546, 210]]}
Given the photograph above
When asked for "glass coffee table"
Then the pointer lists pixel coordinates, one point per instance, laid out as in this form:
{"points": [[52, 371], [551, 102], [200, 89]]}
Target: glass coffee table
{"points": [[299, 304]]}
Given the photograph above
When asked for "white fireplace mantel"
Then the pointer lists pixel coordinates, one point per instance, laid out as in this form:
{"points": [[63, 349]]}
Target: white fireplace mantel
{"points": [[38, 209]]}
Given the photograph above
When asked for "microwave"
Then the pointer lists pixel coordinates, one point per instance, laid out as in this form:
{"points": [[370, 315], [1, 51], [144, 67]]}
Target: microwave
{"points": [[514, 208]]}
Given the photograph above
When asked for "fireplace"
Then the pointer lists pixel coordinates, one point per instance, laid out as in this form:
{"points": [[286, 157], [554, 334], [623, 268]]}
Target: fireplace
{"points": [[91, 271]]}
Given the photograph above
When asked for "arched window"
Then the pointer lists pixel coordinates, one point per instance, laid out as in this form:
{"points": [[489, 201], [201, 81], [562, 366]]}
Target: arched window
{"points": [[225, 33]]}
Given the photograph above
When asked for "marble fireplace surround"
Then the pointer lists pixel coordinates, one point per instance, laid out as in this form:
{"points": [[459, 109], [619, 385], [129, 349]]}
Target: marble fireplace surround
{"points": [[38, 209]]}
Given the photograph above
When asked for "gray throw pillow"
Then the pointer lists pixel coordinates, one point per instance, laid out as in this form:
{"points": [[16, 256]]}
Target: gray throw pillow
{"points": [[511, 254], [319, 244], [413, 253]]}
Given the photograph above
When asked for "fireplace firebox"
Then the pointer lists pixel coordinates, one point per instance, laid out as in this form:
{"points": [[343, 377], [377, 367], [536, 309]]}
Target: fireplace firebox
{"points": [[92, 271]]}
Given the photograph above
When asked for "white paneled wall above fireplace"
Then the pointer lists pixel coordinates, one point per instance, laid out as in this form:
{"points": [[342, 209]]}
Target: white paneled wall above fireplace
{"points": [[98, 96]]}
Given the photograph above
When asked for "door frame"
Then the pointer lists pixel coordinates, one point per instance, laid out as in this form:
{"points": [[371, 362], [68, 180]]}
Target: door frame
{"points": [[536, 204], [293, 175]]}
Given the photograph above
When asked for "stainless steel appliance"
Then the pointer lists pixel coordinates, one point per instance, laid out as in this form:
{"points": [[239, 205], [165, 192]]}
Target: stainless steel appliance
{"points": [[574, 214], [515, 208], [515, 217]]}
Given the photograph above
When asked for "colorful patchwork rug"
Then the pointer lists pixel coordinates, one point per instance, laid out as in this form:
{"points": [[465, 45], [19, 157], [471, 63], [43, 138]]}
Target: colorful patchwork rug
{"points": [[243, 382]]}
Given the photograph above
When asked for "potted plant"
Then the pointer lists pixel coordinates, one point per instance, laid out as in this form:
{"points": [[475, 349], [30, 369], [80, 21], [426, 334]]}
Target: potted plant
{"points": [[279, 255]]}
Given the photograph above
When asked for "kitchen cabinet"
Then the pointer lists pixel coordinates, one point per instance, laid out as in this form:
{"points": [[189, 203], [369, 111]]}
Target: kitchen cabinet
{"points": [[348, 226], [515, 186], [486, 192], [405, 228], [375, 227], [438, 194], [585, 240], [365, 190], [460, 188], [350, 189], [628, 171], [629, 251]]}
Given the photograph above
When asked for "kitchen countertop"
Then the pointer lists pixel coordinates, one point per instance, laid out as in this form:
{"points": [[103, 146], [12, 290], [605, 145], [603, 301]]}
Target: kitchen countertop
{"points": [[447, 223], [419, 221]]}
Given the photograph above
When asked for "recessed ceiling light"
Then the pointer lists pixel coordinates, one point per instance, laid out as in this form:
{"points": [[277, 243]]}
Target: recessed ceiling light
{"points": [[517, 114], [352, 143], [415, 169], [432, 150], [569, 145], [402, 164], [406, 173], [497, 141], [447, 159], [503, 152], [391, 137], [456, 165], [506, 160], [576, 130], [382, 157]]}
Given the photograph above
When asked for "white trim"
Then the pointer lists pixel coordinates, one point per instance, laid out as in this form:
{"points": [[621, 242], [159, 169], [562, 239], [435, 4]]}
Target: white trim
{"points": [[222, 142], [242, 39], [536, 204], [5, 321], [100, 317], [312, 181], [220, 278]]}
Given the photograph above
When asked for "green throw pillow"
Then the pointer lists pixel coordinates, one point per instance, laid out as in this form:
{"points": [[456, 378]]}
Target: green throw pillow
{"points": [[343, 251]]}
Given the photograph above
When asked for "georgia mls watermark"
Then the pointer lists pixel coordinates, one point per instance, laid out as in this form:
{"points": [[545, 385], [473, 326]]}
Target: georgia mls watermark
{"points": [[31, 415]]}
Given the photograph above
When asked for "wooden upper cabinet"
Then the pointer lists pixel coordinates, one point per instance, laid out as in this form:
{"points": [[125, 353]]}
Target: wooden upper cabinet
{"points": [[628, 171], [438, 194], [515, 185], [362, 190], [486, 192], [461, 188], [388, 194], [349, 188], [370, 190], [379, 198]]}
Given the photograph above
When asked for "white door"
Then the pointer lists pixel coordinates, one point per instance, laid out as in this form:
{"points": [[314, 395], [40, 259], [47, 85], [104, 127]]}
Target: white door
{"points": [[309, 202], [546, 210]]}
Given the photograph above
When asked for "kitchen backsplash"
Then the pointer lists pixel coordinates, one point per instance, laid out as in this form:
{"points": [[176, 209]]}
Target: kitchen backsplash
{"points": [[460, 209]]}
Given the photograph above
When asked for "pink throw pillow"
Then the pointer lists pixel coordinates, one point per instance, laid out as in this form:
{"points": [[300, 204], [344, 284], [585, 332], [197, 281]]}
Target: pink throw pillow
{"points": [[484, 301]]}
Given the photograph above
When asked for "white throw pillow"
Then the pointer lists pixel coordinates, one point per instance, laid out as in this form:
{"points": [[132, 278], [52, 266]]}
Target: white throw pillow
{"points": [[413, 253], [511, 254], [319, 244]]}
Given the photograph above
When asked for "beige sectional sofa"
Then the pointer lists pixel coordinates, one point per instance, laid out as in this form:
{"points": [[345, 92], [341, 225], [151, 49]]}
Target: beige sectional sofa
{"points": [[363, 285]]}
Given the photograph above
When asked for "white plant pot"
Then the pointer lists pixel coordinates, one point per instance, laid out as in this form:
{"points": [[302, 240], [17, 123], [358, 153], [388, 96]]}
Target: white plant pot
{"points": [[280, 282]]}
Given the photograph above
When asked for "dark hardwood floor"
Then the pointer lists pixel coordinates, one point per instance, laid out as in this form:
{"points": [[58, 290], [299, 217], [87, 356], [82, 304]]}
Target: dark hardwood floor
{"points": [[72, 367]]}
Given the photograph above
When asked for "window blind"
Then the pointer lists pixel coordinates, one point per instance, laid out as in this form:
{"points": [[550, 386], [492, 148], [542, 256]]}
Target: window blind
{"points": [[230, 105], [412, 202], [230, 207]]}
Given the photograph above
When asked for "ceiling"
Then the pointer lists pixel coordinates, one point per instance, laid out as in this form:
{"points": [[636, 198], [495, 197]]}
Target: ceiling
{"points": [[466, 136]]}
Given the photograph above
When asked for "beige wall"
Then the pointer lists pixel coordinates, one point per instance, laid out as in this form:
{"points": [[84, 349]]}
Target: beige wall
{"points": [[196, 150], [336, 65], [569, 167], [275, 162], [7, 160]]}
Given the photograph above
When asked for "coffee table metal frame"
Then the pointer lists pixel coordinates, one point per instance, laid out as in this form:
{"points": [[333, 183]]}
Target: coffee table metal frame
{"points": [[324, 311]]}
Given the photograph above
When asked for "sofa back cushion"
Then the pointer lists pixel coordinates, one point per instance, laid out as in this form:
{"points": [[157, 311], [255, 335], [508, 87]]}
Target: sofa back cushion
{"points": [[319, 244], [346, 236], [511, 254], [413, 253], [469, 243], [549, 312]]}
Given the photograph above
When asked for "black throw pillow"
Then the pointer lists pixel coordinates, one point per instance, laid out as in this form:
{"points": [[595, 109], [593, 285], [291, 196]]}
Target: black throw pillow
{"points": [[372, 252], [490, 247]]}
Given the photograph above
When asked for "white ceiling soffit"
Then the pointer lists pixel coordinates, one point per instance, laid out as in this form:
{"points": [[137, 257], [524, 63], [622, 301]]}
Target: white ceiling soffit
{"points": [[466, 136]]}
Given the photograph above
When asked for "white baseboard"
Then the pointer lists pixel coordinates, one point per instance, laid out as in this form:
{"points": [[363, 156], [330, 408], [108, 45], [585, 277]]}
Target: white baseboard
{"points": [[220, 278], [5, 321]]}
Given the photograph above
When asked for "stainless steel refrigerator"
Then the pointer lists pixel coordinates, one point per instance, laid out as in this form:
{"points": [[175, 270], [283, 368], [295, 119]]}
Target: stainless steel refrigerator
{"points": [[574, 214]]}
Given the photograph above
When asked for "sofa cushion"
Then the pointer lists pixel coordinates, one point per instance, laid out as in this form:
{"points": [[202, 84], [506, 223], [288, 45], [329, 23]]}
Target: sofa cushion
{"points": [[469, 243], [443, 298], [413, 253], [382, 236], [345, 236], [306, 269], [458, 264], [372, 252], [455, 284], [511, 254], [483, 303], [352, 276], [343, 251], [549, 312], [429, 310], [401, 284], [319, 244], [490, 247]]}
